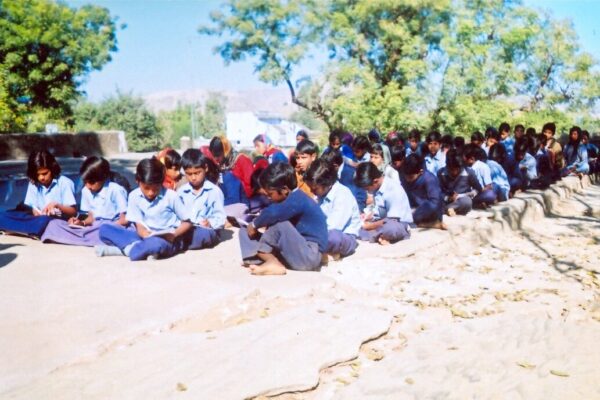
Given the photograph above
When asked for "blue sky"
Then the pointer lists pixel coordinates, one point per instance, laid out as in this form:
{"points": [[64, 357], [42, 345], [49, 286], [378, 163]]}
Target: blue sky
{"points": [[161, 50]]}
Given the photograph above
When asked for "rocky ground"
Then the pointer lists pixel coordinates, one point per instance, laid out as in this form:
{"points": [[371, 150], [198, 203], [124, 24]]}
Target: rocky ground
{"points": [[506, 304]]}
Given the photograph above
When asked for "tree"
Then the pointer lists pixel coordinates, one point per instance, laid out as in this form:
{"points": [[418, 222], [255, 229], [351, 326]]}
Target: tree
{"points": [[123, 112], [454, 65], [47, 49]]}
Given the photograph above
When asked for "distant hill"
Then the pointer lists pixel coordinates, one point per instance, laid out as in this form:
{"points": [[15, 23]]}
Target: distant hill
{"points": [[274, 101]]}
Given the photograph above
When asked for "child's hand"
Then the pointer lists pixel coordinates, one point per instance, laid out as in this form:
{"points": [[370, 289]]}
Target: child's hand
{"points": [[252, 231], [453, 197], [368, 226], [169, 237], [51, 209], [204, 223], [74, 221], [366, 216]]}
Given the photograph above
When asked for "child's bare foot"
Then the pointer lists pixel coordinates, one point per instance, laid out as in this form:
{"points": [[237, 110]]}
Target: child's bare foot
{"points": [[324, 259], [271, 267], [433, 225], [451, 212], [335, 257], [383, 242]]}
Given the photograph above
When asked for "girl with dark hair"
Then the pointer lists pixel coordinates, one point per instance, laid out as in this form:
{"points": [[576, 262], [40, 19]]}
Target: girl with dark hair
{"points": [[264, 147], [576, 156], [102, 201], [49, 195], [171, 159], [160, 218]]}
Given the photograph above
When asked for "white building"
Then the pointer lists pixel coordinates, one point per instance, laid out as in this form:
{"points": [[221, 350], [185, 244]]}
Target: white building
{"points": [[242, 127]]}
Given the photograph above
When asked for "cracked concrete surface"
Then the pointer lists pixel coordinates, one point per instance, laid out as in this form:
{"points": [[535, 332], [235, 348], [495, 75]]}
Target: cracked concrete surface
{"points": [[499, 306]]}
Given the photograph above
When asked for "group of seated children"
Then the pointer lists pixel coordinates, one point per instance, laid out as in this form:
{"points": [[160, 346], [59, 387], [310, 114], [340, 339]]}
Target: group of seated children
{"points": [[295, 210]]}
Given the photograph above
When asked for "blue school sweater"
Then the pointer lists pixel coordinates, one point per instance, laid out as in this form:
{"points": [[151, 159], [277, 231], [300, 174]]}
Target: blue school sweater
{"points": [[303, 212], [465, 182], [346, 178], [425, 194]]}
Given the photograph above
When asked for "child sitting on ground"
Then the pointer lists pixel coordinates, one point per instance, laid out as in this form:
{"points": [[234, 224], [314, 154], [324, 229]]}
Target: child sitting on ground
{"points": [[471, 156], [500, 183], [172, 162], [361, 148], [296, 234], [398, 155], [414, 143], [424, 193], [264, 147], [555, 153], [49, 195], [160, 217], [576, 156], [306, 153], [379, 159], [459, 185], [527, 163], [435, 159], [203, 200], [390, 219], [338, 205], [345, 174], [102, 201]]}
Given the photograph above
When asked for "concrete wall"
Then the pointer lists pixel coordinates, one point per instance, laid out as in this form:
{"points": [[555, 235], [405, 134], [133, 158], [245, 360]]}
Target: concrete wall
{"points": [[16, 146]]}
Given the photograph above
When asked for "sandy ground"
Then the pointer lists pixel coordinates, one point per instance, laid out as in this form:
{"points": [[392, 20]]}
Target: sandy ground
{"points": [[506, 304]]}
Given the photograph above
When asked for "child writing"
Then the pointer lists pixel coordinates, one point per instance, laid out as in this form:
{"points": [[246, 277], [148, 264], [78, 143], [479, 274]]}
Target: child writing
{"points": [[203, 200], [345, 174], [49, 195], [459, 185], [160, 218], [338, 205], [102, 200], [473, 158], [424, 193], [391, 217], [296, 228]]}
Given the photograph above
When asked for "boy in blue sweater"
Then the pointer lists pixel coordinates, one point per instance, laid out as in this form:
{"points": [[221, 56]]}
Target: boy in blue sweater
{"points": [[296, 228]]}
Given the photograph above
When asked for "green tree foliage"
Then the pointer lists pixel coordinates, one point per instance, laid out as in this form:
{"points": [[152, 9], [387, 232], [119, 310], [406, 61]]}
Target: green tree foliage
{"points": [[46, 49], [452, 65], [209, 121], [123, 112]]}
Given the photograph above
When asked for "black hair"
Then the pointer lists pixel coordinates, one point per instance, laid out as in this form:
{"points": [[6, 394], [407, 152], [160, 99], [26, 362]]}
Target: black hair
{"points": [[504, 127], [414, 134], [413, 164], [377, 148], [172, 159], [520, 126], [294, 159], [542, 139], [94, 169], [398, 152], [278, 176], [471, 151], [193, 158], [321, 173], [216, 147], [365, 174], [453, 159], [374, 135], [302, 133], [521, 147], [551, 126], [492, 133], [446, 141], [361, 142], [575, 143], [254, 180], [434, 136], [497, 153], [150, 171], [530, 131], [393, 139], [307, 147], [477, 137], [335, 134], [458, 142], [533, 144], [480, 154], [334, 157], [258, 138], [42, 159]]}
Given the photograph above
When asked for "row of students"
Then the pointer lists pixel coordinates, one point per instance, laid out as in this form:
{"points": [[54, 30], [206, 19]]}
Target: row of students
{"points": [[151, 222]]}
